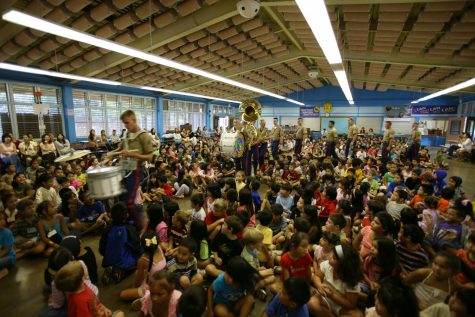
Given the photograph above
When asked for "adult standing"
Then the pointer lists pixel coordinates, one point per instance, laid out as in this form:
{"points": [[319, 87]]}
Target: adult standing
{"points": [[300, 135], [239, 148], [388, 139], [8, 152], [62, 144], [352, 135], [262, 140], [276, 139], [413, 150], [155, 138], [28, 150], [138, 148], [250, 156], [48, 150], [332, 136]]}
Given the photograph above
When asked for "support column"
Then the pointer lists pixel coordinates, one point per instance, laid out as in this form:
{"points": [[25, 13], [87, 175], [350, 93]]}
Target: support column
{"points": [[208, 111], [68, 111], [159, 103]]}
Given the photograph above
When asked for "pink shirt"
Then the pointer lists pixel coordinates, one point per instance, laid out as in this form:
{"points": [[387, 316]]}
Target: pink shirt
{"points": [[162, 231], [172, 304]]}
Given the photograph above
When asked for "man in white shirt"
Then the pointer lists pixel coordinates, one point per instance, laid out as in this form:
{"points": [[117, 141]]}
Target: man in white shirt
{"points": [[465, 146]]}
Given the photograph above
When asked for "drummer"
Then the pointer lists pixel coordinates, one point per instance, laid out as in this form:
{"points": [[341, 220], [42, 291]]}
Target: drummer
{"points": [[140, 149]]}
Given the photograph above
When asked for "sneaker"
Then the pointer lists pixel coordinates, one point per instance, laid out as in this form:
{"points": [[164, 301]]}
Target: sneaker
{"points": [[3, 273], [107, 276], [117, 275], [136, 305]]}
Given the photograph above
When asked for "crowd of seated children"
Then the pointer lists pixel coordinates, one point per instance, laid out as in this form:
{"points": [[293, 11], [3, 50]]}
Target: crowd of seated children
{"points": [[330, 237]]}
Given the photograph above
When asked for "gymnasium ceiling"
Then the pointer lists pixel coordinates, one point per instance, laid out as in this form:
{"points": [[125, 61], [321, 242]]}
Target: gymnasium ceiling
{"points": [[415, 45]]}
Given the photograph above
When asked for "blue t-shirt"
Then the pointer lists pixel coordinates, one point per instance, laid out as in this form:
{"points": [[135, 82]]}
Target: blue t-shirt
{"points": [[223, 293], [89, 213], [286, 202], [277, 309], [7, 240]]}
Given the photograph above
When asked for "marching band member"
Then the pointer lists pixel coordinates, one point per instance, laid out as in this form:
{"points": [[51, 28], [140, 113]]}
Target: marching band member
{"points": [[352, 134], [138, 147], [262, 140], [413, 150], [388, 138], [332, 136], [300, 135], [276, 137]]}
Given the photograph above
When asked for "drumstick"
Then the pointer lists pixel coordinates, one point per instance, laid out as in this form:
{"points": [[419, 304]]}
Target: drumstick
{"points": [[119, 153]]}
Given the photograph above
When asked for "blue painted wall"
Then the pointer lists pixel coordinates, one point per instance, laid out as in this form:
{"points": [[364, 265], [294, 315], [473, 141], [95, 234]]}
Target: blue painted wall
{"points": [[67, 98], [367, 103]]}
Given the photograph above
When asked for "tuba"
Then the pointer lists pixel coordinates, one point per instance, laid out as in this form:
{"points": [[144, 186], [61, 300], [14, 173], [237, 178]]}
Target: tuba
{"points": [[250, 110]]}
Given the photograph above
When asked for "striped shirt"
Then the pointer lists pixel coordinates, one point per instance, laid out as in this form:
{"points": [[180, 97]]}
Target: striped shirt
{"points": [[187, 269], [411, 260]]}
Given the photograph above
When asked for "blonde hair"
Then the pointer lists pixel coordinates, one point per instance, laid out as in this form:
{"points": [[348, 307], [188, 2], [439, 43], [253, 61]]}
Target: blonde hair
{"points": [[241, 173], [252, 235], [219, 204], [182, 217], [70, 277]]}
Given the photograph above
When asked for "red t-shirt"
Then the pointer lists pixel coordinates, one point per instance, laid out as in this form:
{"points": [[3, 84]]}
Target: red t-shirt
{"points": [[298, 268], [463, 256], [168, 190], [291, 176], [82, 304], [328, 208], [211, 218]]}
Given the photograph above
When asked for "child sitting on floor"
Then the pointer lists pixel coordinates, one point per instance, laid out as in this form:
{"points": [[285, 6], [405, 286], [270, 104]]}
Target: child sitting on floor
{"points": [[184, 264], [7, 250], [229, 295], [119, 245], [82, 302], [25, 230], [291, 301]]}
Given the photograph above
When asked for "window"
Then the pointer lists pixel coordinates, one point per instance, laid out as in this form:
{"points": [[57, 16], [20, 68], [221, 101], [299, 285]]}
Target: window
{"points": [[177, 113], [17, 109], [101, 111], [5, 114]]}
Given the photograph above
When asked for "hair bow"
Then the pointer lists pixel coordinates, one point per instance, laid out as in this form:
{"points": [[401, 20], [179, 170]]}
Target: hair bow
{"points": [[149, 242]]}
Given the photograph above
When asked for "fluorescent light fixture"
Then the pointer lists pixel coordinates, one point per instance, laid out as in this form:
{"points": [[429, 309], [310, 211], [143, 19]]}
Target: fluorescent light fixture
{"points": [[449, 90], [316, 14], [295, 102], [415, 101], [38, 71], [343, 81], [167, 91], [60, 30], [31, 70]]}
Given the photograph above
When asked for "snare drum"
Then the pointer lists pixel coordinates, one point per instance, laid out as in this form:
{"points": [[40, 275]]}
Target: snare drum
{"points": [[105, 182]]}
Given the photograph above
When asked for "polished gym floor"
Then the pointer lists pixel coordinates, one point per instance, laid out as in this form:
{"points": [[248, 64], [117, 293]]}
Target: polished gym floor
{"points": [[21, 290]]}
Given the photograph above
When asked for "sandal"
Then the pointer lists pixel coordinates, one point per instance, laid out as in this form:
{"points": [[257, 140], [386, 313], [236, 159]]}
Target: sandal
{"points": [[261, 294]]}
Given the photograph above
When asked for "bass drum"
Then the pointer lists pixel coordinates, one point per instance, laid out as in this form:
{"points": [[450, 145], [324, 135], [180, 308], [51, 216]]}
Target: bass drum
{"points": [[232, 144]]}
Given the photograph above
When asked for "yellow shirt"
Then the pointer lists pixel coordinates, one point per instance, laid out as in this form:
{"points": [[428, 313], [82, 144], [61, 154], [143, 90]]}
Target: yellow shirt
{"points": [[240, 186]]}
